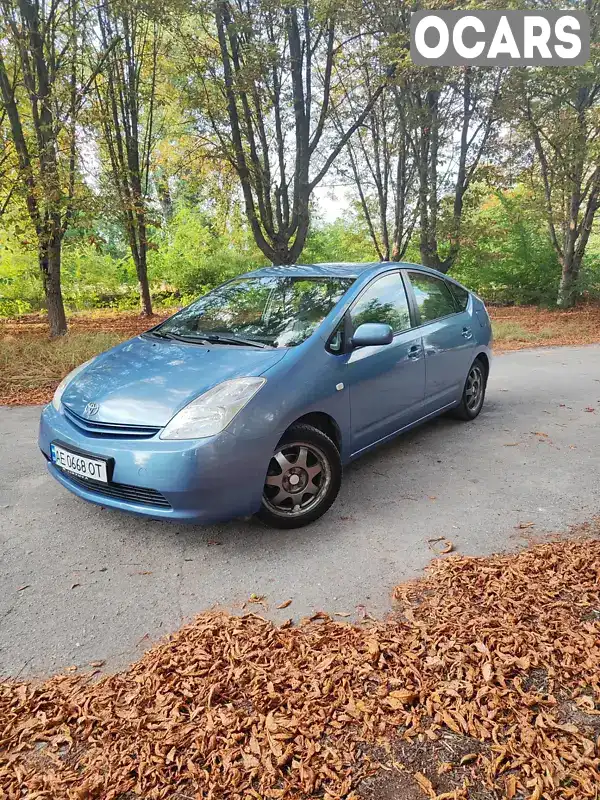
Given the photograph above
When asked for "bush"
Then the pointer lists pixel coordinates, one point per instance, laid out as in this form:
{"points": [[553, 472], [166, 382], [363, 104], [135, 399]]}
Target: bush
{"points": [[589, 280], [506, 255], [197, 254], [10, 307], [20, 285], [342, 240]]}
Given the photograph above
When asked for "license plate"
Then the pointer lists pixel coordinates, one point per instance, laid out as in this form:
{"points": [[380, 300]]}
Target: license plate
{"points": [[84, 467]]}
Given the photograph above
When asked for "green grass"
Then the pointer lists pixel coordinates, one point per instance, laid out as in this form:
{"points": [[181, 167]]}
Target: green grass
{"points": [[511, 332]]}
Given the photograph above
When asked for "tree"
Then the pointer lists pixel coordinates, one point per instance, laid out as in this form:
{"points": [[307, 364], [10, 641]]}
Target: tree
{"points": [[41, 91], [446, 105], [268, 91], [561, 113], [380, 158], [126, 94], [380, 162], [8, 171]]}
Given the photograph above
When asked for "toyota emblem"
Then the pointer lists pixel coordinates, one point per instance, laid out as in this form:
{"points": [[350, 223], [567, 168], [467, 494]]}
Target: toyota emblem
{"points": [[91, 409]]}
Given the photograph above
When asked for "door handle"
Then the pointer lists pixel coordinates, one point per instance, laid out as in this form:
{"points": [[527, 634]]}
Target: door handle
{"points": [[414, 352], [467, 333]]}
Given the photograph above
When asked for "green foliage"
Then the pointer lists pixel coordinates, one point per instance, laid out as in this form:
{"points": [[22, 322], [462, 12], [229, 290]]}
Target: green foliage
{"points": [[197, 252], [506, 255], [20, 285], [589, 279], [346, 239], [13, 308]]}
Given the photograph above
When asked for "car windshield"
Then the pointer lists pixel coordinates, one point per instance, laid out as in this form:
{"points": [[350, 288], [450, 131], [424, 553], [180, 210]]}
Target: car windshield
{"points": [[268, 311]]}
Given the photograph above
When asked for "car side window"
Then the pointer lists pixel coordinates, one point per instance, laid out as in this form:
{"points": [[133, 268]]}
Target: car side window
{"points": [[434, 299], [383, 301], [460, 295]]}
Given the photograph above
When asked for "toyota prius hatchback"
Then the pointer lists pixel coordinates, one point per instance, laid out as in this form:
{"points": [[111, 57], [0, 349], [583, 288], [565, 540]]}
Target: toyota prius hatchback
{"points": [[251, 399]]}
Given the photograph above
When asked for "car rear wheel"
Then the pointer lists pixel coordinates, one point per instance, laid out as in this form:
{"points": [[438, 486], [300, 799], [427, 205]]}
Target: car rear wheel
{"points": [[303, 478], [473, 393]]}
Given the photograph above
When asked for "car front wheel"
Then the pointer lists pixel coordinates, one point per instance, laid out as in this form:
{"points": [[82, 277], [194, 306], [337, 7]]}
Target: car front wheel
{"points": [[303, 478]]}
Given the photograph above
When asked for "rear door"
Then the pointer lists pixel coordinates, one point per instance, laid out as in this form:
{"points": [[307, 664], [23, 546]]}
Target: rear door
{"points": [[448, 340], [387, 382]]}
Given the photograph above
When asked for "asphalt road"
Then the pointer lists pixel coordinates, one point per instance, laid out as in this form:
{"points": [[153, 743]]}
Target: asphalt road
{"points": [[79, 583]]}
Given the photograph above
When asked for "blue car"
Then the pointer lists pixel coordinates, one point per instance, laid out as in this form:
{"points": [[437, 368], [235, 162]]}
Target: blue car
{"points": [[251, 399]]}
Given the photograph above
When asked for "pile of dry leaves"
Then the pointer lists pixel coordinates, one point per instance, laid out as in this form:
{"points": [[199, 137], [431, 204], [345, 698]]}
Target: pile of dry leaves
{"points": [[542, 327], [127, 323], [502, 654], [32, 365]]}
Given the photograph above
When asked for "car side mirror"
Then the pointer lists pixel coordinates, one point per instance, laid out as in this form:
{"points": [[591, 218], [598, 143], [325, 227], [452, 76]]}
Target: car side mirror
{"points": [[372, 333]]}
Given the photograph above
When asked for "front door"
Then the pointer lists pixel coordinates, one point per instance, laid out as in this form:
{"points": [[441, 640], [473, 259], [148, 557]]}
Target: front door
{"points": [[387, 382]]}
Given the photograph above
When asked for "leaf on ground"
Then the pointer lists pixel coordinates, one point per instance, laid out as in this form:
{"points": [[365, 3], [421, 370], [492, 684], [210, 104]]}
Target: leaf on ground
{"points": [[240, 708], [441, 545], [523, 525], [257, 598], [537, 792], [425, 784], [404, 696], [285, 604]]}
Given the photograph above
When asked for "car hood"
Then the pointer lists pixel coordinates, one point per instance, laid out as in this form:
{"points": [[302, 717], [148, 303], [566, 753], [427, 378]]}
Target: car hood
{"points": [[145, 381]]}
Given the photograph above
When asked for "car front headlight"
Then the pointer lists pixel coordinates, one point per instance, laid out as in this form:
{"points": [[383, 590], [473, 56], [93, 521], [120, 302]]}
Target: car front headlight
{"points": [[56, 400], [212, 412]]}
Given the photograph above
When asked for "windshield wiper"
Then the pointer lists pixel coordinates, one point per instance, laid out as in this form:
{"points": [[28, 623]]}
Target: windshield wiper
{"points": [[211, 338], [217, 338], [179, 338]]}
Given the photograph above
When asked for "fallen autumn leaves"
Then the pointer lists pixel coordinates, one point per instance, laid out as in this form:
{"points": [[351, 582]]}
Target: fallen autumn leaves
{"points": [[503, 652]]}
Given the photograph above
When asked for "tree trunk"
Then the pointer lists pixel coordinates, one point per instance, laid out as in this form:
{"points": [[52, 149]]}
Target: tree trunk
{"points": [[567, 290], [142, 272], [50, 261]]}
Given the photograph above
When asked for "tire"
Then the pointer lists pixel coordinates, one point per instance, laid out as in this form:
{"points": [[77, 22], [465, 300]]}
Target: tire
{"points": [[305, 459], [469, 408]]}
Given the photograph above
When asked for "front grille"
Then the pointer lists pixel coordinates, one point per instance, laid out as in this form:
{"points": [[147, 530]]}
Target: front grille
{"points": [[120, 491], [112, 429]]}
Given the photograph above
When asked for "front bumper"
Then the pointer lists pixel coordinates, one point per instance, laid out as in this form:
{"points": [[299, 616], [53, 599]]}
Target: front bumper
{"points": [[201, 480]]}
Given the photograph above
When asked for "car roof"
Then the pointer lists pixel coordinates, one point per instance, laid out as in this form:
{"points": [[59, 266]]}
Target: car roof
{"points": [[335, 269], [327, 270]]}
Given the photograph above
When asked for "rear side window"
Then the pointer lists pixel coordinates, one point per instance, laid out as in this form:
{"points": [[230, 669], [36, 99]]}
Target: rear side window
{"points": [[433, 296], [460, 295], [383, 301]]}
